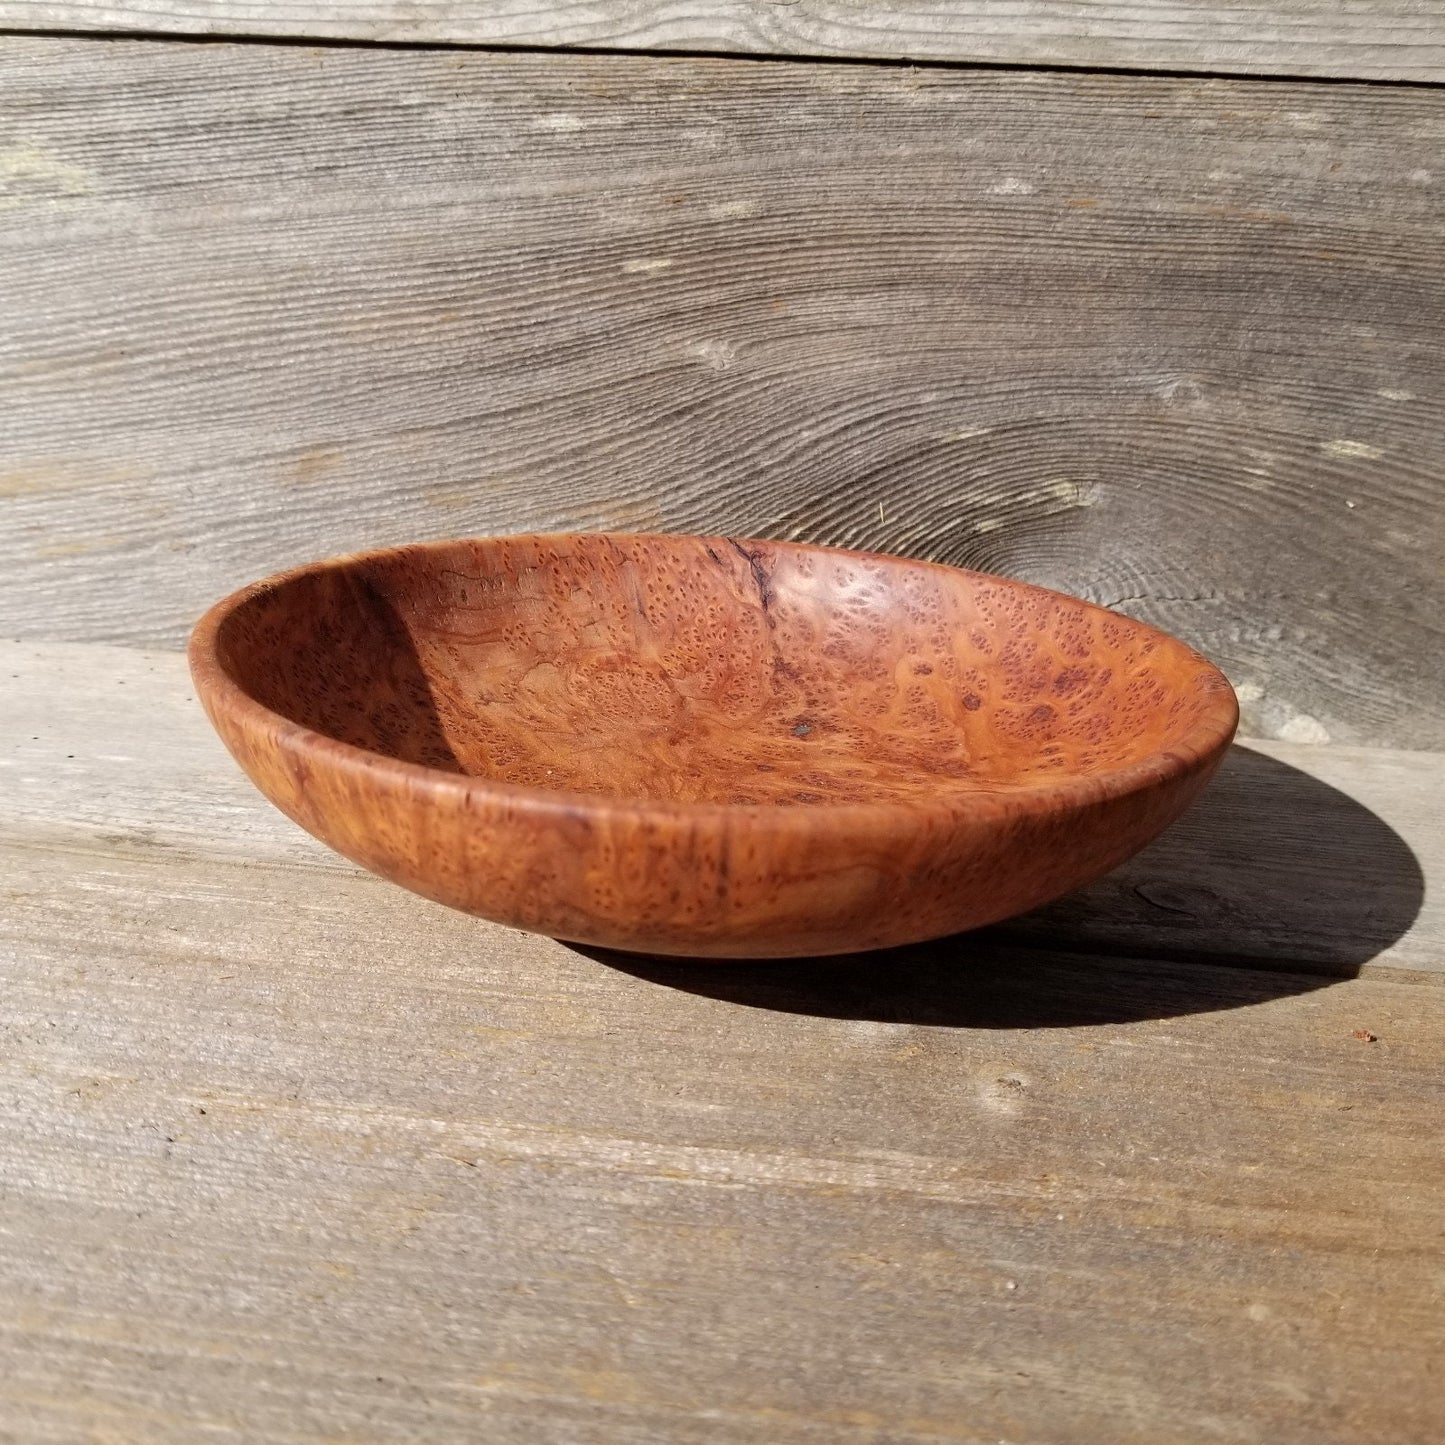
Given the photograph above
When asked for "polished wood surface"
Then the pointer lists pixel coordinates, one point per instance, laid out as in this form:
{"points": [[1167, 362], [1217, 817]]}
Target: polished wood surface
{"points": [[706, 745]]}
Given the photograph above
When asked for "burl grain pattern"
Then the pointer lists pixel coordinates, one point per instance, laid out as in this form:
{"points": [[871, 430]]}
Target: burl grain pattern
{"points": [[708, 746]]}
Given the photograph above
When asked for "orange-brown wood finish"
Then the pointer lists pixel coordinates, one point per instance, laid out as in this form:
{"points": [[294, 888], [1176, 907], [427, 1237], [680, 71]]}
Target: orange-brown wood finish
{"points": [[708, 746]]}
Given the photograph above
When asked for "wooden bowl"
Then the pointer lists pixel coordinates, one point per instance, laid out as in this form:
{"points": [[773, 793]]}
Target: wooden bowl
{"points": [[705, 746]]}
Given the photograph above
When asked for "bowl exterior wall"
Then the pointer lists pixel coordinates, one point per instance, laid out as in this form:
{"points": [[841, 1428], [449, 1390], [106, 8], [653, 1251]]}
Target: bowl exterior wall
{"points": [[700, 882]]}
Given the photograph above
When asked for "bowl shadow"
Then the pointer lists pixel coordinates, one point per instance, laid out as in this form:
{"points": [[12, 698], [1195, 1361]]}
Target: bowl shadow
{"points": [[1273, 884]]}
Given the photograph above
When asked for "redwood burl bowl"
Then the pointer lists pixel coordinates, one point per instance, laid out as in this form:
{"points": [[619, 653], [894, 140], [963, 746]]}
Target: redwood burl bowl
{"points": [[707, 746]]}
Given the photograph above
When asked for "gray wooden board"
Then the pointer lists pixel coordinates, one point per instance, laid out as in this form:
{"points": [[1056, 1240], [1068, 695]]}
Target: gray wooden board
{"points": [[1321, 858], [296, 1157], [1175, 345], [1391, 39]]}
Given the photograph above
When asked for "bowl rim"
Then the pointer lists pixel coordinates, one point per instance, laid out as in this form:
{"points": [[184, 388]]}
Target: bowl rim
{"points": [[1201, 746]]}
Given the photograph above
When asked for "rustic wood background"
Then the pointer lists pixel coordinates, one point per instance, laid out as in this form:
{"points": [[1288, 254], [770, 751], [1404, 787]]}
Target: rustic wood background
{"points": [[287, 1153], [1175, 345]]}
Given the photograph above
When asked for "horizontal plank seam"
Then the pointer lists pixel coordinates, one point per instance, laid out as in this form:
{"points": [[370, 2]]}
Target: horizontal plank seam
{"points": [[874, 62]]}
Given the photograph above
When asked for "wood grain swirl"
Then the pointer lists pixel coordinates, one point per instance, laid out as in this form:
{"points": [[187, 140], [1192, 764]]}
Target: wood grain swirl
{"points": [[265, 305]]}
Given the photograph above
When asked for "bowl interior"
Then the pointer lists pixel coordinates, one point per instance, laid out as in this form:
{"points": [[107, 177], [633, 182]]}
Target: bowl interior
{"points": [[696, 669]]}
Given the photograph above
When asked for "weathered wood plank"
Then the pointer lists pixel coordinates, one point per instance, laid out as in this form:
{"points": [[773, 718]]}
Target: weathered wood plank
{"points": [[289, 1153], [1332, 858], [1386, 39], [1173, 345], [285, 1159], [1325, 859]]}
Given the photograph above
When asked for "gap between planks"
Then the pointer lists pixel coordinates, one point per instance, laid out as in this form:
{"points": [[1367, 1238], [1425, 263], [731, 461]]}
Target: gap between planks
{"points": [[1389, 40]]}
